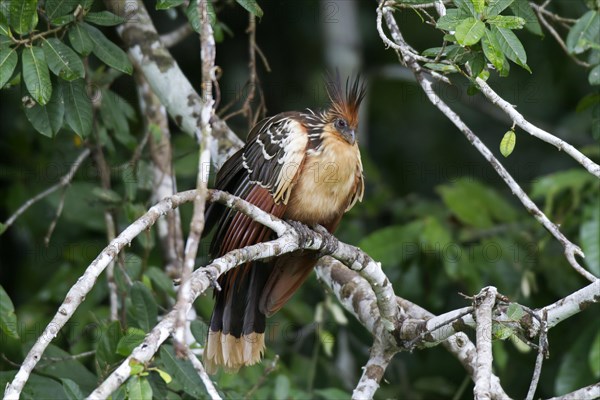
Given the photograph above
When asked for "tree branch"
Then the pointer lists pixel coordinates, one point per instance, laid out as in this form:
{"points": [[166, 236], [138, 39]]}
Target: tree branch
{"points": [[357, 297], [177, 35], [64, 181], [164, 184], [373, 371], [208, 54], [168, 82], [484, 304], [208, 383], [533, 130], [570, 250], [587, 393]]}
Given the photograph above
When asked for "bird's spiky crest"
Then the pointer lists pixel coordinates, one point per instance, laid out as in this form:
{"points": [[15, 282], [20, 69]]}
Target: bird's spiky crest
{"points": [[345, 104]]}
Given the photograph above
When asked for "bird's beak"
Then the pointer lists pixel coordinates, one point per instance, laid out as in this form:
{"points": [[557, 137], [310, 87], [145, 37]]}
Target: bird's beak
{"points": [[351, 136]]}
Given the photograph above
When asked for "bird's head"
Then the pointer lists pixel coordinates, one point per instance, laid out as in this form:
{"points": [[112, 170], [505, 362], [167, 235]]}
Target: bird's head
{"points": [[342, 114]]}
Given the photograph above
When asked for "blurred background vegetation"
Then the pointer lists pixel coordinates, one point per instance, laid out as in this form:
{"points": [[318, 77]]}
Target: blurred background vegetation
{"points": [[435, 213]]}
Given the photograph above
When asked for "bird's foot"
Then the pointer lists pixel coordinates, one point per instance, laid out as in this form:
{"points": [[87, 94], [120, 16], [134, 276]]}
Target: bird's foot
{"points": [[330, 243], [303, 231]]}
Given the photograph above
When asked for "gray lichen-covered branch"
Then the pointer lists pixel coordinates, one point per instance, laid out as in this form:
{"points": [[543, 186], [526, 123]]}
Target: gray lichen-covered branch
{"points": [[168, 82]]}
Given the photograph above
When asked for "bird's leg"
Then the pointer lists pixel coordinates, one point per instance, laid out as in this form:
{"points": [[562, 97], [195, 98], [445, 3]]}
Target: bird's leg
{"points": [[330, 242], [304, 232]]}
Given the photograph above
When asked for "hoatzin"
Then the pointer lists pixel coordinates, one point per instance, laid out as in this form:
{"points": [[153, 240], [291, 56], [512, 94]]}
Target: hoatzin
{"points": [[300, 166]]}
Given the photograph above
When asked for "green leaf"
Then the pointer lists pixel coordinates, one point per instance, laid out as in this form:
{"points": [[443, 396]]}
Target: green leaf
{"points": [[194, 18], [442, 51], [469, 31], [589, 236], [495, 7], [68, 367], [594, 357], [4, 28], [251, 6], [141, 308], [199, 331], [476, 204], [132, 338], [393, 244], [62, 60], [63, 20], [58, 8], [78, 107], [136, 367], [36, 74], [37, 387], [8, 319], [72, 389], [23, 15], [107, 51], [441, 67], [585, 33], [452, 18], [465, 6], [113, 110], [327, 341], [8, 62], [163, 375], [507, 145], [182, 372], [573, 372], [104, 18], [515, 312], [106, 348], [478, 5], [508, 22], [594, 77], [588, 101], [282, 387], [138, 388], [522, 8], [492, 50], [160, 280], [477, 64], [166, 4], [511, 45], [501, 332], [80, 40], [552, 184], [48, 119]]}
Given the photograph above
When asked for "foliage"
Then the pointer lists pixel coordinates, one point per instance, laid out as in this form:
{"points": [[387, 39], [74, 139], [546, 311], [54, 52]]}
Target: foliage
{"points": [[65, 76]]}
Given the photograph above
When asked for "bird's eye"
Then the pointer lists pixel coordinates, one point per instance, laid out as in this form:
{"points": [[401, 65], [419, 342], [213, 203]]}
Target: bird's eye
{"points": [[340, 124]]}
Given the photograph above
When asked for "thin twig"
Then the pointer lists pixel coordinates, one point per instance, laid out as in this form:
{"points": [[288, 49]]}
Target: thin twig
{"points": [[64, 181], [57, 214], [177, 35], [204, 136], [208, 383], [111, 232], [570, 249], [542, 353], [268, 369], [557, 37]]}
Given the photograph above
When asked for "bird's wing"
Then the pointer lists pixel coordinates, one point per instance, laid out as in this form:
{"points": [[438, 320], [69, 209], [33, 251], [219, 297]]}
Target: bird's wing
{"points": [[274, 153], [263, 173]]}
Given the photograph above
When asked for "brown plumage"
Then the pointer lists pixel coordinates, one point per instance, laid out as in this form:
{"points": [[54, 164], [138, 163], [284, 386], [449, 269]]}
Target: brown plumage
{"points": [[301, 166]]}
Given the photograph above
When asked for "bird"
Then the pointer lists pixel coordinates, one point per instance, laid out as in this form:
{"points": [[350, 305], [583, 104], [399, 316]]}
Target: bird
{"points": [[301, 166]]}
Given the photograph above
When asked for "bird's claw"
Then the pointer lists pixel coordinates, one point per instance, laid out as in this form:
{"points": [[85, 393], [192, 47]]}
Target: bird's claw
{"points": [[303, 231], [329, 244]]}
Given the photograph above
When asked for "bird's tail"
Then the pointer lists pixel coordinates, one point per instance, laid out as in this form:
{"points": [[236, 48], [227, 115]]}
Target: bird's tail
{"points": [[236, 336]]}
